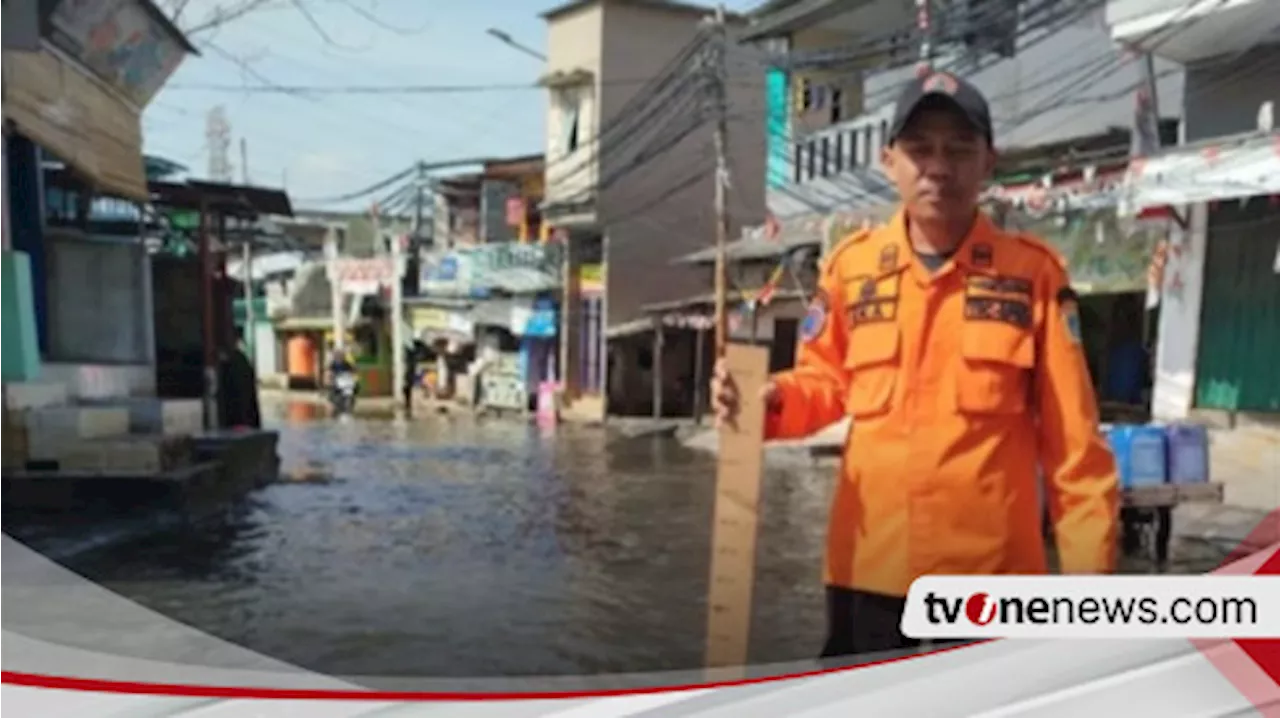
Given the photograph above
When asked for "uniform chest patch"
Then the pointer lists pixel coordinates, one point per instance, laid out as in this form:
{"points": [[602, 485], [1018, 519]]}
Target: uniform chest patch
{"points": [[876, 299], [993, 309], [982, 255]]}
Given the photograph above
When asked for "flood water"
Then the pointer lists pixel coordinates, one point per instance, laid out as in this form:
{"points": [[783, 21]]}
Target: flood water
{"points": [[466, 547], [480, 547]]}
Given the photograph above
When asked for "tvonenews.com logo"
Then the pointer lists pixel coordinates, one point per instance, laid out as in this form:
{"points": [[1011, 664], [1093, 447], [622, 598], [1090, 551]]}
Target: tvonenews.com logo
{"points": [[983, 609], [1215, 606]]}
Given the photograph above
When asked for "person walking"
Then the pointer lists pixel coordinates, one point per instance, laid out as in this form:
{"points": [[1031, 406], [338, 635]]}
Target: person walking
{"points": [[955, 349]]}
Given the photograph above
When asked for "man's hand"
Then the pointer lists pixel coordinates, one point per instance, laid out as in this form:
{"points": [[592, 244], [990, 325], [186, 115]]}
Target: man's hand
{"points": [[724, 394]]}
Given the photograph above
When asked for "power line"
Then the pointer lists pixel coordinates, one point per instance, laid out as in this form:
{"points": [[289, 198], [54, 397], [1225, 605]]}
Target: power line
{"points": [[303, 90]]}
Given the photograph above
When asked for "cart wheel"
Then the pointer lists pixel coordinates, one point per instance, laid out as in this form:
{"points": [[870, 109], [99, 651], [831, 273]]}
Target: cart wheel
{"points": [[1162, 534], [1130, 531]]}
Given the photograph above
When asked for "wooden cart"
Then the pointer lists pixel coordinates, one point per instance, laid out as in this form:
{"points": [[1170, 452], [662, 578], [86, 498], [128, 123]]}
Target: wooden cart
{"points": [[1146, 515]]}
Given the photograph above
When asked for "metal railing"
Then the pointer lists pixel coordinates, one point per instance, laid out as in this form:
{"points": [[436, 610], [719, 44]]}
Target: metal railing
{"points": [[840, 148]]}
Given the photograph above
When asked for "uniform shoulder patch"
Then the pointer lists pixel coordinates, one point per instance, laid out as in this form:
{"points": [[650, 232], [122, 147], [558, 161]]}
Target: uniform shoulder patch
{"points": [[1069, 307], [815, 317]]}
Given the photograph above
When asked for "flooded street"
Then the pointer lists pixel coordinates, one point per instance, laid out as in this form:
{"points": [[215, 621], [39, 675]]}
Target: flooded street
{"points": [[465, 547], [482, 547]]}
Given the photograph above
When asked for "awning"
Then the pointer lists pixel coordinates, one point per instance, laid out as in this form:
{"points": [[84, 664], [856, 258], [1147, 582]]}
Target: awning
{"points": [[77, 119], [1220, 169], [795, 16], [313, 324], [756, 244], [445, 336], [230, 199]]}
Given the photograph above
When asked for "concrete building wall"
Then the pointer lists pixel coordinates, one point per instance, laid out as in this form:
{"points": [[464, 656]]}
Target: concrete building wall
{"points": [[653, 212], [1066, 81], [1223, 95], [1178, 335], [574, 43]]}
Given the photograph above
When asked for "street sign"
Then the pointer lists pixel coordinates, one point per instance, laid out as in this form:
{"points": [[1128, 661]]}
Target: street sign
{"points": [[364, 275], [19, 24]]}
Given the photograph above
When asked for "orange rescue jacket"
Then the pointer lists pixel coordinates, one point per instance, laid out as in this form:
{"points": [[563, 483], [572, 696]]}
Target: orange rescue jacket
{"points": [[960, 385]]}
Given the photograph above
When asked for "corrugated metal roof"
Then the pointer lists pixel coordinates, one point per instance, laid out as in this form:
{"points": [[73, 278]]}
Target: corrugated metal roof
{"points": [[708, 300], [755, 247], [1223, 168]]}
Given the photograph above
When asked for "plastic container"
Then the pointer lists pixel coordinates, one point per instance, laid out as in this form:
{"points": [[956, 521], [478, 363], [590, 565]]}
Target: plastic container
{"points": [[547, 398], [1188, 454], [1141, 455]]}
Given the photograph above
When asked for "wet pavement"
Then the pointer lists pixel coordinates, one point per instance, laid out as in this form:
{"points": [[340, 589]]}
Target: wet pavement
{"points": [[460, 546]]}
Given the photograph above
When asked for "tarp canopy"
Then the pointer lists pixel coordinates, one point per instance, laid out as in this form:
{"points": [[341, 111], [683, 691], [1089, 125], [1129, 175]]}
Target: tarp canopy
{"points": [[1220, 169]]}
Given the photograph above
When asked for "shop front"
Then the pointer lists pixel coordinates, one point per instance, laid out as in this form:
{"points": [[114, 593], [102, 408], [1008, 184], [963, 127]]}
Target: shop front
{"points": [[448, 333], [536, 324], [1220, 286], [72, 135]]}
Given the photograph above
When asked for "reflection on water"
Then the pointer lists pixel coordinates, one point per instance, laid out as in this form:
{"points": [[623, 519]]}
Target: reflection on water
{"points": [[465, 547]]}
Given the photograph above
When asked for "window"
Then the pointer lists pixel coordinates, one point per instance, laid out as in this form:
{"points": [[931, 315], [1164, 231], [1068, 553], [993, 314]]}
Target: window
{"points": [[803, 95], [570, 101], [837, 105]]}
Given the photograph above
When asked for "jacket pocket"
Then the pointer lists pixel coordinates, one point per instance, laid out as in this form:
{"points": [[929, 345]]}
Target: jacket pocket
{"points": [[872, 358], [996, 362]]}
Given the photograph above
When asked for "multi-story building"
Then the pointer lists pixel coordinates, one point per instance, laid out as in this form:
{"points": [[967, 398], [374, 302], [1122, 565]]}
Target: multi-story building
{"points": [[1048, 67], [630, 171], [499, 203], [1220, 186]]}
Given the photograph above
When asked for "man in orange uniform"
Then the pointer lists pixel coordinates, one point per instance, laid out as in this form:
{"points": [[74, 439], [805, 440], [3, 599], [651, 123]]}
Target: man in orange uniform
{"points": [[955, 348]]}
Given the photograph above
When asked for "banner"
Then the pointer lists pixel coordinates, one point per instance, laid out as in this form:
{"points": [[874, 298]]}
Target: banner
{"points": [[1103, 254], [122, 41]]}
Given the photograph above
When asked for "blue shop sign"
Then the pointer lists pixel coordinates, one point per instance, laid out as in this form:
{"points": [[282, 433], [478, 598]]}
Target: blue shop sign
{"points": [[446, 270]]}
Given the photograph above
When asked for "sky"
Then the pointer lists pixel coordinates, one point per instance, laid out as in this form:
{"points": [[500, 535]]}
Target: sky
{"points": [[324, 145]]}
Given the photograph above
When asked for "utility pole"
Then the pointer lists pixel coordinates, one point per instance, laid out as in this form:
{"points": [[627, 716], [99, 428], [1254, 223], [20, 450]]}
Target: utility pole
{"points": [[721, 180], [5, 241], [397, 311], [246, 268], [419, 200], [4, 184], [925, 24], [335, 285], [739, 470], [218, 138]]}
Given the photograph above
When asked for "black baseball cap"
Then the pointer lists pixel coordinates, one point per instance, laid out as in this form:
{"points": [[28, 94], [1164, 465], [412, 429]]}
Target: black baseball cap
{"points": [[933, 85]]}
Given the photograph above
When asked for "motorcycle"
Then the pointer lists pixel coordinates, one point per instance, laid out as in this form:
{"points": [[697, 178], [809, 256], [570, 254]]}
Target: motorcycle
{"points": [[343, 395]]}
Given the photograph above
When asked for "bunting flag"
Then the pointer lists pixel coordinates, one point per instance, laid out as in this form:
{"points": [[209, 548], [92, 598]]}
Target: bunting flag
{"points": [[772, 228], [770, 287]]}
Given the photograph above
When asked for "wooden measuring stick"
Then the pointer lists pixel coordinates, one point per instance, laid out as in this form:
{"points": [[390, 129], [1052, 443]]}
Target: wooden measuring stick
{"points": [[736, 521]]}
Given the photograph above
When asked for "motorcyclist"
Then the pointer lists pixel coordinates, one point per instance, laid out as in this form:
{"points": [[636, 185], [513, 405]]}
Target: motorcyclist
{"points": [[340, 363]]}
